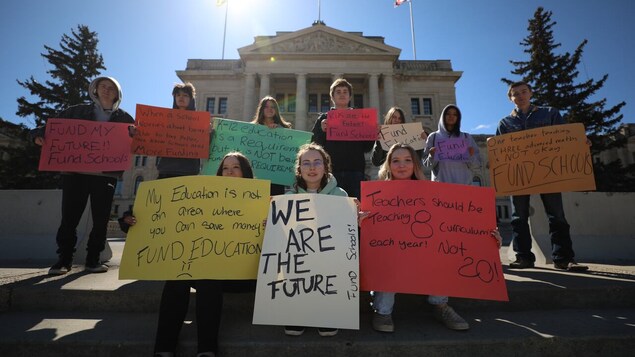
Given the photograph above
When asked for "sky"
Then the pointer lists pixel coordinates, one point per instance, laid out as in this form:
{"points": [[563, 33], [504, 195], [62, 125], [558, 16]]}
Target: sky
{"points": [[143, 42]]}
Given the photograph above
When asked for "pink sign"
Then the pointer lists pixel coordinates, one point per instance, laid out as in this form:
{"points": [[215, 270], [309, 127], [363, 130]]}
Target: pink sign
{"points": [[432, 238], [352, 125], [452, 149], [85, 146]]}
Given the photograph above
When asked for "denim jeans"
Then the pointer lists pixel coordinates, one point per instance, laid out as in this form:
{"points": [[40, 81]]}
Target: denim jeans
{"points": [[383, 302], [350, 181], [561, 246]]}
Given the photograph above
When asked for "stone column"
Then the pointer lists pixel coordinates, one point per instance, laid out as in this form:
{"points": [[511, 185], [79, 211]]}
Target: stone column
{"points": [[264, 85], [373, 91], [389, 92], [250, 88], [301, 102]]}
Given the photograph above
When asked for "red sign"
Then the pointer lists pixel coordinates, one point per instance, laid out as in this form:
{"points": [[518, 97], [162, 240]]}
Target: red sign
{"points": [[431, 238], [171, 132], [352, 125], [85, 146]]}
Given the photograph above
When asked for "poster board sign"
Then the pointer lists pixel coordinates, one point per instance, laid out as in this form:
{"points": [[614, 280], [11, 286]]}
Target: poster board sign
{"points": [[309, 268], [408, 133], [272, 152], [196, 227], [171, 132], [452, 149], [74, 145], [542, 160], [352, 125], [432, 238]]}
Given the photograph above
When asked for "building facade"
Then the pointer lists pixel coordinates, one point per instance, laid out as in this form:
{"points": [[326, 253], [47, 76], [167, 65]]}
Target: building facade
{"points": [[297, 68]]}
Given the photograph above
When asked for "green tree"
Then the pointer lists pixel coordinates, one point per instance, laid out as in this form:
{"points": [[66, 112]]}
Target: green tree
{"points": [[19, 161], [554, 80], [74, 65]]}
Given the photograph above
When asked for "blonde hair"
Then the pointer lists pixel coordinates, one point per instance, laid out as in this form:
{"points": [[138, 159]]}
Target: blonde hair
{"points": [[417, 173]]}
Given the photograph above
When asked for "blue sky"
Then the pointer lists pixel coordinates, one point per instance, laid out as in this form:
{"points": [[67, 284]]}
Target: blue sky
{"points": [[144, 42]]}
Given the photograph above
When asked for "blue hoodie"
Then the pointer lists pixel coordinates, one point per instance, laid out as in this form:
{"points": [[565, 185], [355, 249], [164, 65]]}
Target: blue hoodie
{"points": [[451, 171]]}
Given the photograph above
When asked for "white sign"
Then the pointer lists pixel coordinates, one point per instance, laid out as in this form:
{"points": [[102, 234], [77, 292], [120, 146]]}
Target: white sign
{"points": [[409, 133]]}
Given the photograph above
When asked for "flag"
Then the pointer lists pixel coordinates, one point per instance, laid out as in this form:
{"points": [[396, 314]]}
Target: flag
{"points": [[220, 2], [399, 2]]}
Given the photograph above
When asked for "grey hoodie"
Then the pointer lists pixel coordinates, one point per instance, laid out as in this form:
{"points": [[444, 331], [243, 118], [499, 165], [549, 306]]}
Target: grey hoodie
{"points": [[450, 171]]}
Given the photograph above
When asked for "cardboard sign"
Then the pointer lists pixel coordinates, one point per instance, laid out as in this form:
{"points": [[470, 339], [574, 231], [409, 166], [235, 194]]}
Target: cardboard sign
{"points": [[542, 160], [196, 227], [272, 152], [452, 149], [171, 132], [408, 133], [431, 238], [352, 125], [85, 146], [309, 268]]}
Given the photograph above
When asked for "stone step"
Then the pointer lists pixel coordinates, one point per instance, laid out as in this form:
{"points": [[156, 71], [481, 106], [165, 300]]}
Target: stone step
{"points": [[567, 332]]}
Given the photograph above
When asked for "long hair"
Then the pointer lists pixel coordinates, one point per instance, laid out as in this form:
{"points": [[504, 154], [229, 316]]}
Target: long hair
{"points": [[326, 160], [187, 88], [390, 113], [245, 165], [417, 172], [259, 116]]}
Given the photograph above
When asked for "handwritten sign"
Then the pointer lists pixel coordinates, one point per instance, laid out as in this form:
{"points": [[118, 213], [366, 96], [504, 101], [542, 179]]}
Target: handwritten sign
{"points": [[171, 132], [431, 238], [196, 227], [452, 149], [272, 152], [85, 146], [309, 268], [408, 133], [352, 125], [542, 160]]}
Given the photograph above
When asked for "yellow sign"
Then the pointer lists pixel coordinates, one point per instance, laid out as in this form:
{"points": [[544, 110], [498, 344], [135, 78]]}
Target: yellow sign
{"points": [[196, 227], [542, 160]]}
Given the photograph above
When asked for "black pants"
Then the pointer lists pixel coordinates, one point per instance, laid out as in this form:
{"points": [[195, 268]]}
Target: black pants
{"points": [[76, 189], [209, 304]]}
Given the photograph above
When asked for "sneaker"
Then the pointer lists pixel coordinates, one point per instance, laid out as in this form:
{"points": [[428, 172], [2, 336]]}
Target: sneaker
{"points": [[293, 330], [96, 268], [327, 332], [383, 323], [62, 267], [521, 263], [450, 318], [570, 265]]}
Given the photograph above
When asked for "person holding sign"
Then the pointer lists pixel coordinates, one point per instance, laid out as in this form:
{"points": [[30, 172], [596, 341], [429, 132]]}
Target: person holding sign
{"points": [[456, 166], [528, 116], [77, 187], [401, 164], [268, 114], [209, 293], [394, 116], [348, 158], [313, 175]]}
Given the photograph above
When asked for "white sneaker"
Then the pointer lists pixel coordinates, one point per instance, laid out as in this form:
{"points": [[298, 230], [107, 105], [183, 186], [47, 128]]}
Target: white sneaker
{"points": [[450, 318], [96, 268]]}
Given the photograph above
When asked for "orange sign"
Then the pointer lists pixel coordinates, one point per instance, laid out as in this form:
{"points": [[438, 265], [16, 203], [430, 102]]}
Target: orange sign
{"points": [[432, 238], [171, 132], [352, 125], [85, 146], [542, 160]]}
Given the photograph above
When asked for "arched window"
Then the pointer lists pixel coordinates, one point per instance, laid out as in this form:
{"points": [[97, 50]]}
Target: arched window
{"points": [[137, 182], [476, 181]]}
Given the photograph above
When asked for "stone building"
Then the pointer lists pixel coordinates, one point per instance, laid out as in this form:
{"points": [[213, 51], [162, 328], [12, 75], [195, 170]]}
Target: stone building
{"points": [[297, 68]]}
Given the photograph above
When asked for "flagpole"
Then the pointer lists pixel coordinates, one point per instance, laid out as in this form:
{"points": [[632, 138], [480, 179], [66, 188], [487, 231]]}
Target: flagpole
{"points": [[225, 29], [319, 10], [412, 30]]}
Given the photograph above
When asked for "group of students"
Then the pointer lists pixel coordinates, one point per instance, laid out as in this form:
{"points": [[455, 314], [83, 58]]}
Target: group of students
{"points": [[321, 167]]}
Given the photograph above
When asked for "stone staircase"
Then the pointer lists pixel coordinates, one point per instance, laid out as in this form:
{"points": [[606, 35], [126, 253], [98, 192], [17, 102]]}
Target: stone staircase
{"points": [[549, 313]]}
